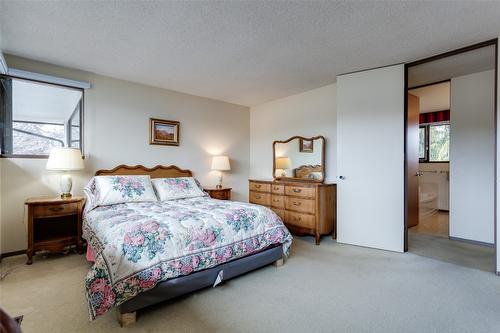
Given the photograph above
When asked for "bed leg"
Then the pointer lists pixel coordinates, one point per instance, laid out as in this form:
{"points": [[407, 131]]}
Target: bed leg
{"points": [[127, 319], [279, 263]]}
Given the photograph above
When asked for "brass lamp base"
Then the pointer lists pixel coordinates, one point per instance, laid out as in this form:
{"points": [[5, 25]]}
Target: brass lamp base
{"points": [[66, 195]]}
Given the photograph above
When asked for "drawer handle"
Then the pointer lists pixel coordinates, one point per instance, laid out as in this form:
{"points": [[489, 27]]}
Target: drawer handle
{"points": [[258, 186], [276, 188], [258, 197], [297, 190], [297, 203], [297, 218], [56, 209]]}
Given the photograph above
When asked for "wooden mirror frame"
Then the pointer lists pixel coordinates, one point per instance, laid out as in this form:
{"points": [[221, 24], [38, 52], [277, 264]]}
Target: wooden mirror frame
{"points": [[320, 137]]}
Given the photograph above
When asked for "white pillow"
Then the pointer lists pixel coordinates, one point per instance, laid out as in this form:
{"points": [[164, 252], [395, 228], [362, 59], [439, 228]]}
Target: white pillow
{"points": [[177, 188], [112, 190]]}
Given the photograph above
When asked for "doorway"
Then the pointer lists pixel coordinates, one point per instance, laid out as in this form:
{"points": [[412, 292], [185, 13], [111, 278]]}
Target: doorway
{"points": [[450, 156]]}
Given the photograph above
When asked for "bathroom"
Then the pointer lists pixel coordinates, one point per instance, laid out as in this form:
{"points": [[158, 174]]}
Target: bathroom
{"points": [[434, 157], [453, 99]]}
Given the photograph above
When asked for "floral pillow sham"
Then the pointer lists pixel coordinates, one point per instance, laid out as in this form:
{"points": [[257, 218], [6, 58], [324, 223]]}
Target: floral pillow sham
{"points": [[177, 188], [111, 190]]}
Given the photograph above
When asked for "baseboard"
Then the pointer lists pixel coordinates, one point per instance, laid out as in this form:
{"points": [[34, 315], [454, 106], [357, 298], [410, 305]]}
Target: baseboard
{"points": [[471, 241], [11, 254]]}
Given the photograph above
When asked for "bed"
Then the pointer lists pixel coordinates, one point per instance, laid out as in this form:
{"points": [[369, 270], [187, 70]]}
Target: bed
{"points": [[149, 252]]}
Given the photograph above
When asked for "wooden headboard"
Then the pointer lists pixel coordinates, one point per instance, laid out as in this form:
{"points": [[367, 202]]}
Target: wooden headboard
{"points": [[303, 171], [158, 171]]}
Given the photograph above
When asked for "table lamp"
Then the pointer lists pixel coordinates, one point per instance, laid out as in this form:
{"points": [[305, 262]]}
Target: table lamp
{"points": [[220, 163], [65, 159], [283, 163]]}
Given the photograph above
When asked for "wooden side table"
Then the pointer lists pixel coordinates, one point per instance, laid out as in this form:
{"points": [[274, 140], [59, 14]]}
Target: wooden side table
{"points": [[54, 224], [219, 193]]}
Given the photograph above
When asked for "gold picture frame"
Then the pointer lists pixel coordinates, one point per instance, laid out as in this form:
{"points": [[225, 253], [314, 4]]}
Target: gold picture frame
{"points": [[164, 132], [306, 145]]}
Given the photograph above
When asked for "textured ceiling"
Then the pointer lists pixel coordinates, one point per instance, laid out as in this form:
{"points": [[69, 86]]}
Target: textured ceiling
{"points": [[475, 61], [244, 52]]}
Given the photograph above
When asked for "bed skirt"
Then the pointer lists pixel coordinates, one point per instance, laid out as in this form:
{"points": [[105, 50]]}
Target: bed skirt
{"points": [[188, 283]]}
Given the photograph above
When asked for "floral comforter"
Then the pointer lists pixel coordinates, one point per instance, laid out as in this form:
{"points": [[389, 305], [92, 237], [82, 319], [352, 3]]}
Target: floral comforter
{"points": [[137, 245]]}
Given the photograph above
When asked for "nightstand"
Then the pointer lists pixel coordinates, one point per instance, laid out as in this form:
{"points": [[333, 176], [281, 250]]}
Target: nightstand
{"points": [[54, 224], [219, 193]]}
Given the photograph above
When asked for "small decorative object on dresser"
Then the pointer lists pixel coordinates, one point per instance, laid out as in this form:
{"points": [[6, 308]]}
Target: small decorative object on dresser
{"points": [[65, 159], [306, 208], [223, 193], [54, 224], [163, 132], [220, 163]]}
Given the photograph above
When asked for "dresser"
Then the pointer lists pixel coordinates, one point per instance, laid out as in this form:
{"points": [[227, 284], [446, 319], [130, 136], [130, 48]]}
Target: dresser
{"points": [[306, 208]]}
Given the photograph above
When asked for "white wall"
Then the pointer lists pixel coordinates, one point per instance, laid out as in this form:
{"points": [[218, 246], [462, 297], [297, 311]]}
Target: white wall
{"points": [[472, 147], [116, 132], [307, 114]]}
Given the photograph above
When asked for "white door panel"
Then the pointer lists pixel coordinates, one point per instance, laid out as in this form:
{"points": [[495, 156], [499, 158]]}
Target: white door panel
{"points": [[497, 213], [370, 120], [472, 160]]}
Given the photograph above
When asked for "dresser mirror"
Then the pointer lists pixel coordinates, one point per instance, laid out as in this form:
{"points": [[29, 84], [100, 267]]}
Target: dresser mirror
{"points": [[299, 158]]}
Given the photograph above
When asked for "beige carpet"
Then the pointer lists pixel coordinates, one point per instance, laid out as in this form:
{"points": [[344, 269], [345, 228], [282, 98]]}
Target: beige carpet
{"points": [[324, 288]]}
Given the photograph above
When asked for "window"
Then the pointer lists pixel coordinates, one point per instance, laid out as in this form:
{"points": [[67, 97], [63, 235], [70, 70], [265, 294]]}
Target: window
{"points": [[36, 117], [422, 152], [434, 142]]}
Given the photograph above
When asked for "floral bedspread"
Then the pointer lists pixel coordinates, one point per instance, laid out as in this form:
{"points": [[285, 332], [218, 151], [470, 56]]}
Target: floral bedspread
{"points": [[137, 245]]}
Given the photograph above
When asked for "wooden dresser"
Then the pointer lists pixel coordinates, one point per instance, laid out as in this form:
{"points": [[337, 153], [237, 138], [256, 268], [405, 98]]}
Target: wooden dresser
{"points": [[306, 208]]}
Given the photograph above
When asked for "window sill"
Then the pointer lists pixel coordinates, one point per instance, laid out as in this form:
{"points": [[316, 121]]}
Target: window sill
{"points": [[443, 162], [24, 156]]}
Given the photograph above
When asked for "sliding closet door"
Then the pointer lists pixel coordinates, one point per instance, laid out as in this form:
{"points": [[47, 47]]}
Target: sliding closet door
{"points": [[370, 192], [472, 159]]}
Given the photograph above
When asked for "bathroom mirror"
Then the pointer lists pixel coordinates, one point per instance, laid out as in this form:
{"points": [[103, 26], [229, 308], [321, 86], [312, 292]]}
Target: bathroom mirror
{"points": [[299, 158]]}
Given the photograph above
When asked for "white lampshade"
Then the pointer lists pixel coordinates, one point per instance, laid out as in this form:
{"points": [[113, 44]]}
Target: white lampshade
{"points": [[283, 163], [220, 163], [65, 159]]}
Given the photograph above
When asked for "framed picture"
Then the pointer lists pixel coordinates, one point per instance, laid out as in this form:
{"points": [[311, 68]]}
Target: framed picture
{"points": [[306, 146], [163, 132]]}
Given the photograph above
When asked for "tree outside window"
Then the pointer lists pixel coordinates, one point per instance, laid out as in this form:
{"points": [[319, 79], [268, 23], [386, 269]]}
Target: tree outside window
{"points": [[434, 142]]}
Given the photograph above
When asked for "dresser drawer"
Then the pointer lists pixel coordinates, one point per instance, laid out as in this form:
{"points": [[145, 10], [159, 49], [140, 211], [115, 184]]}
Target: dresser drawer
{"points": [[261, 187], [278, 189], [299, 191], [278, 201], [300, 205], [300, 220], [280, 213], [260, 198], [55, 210]]}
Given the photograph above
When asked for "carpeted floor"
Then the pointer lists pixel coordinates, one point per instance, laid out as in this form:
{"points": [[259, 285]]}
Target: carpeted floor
{"points": [[452, 251], [324, 288]]}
